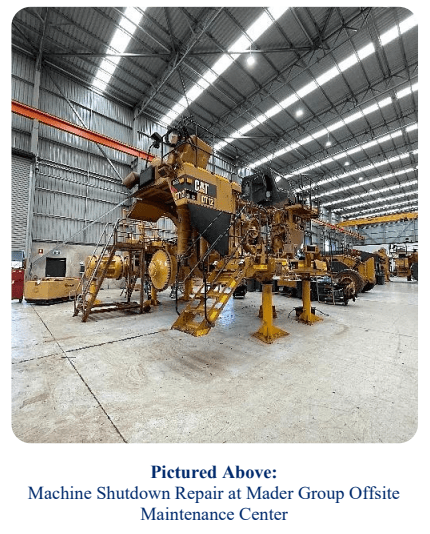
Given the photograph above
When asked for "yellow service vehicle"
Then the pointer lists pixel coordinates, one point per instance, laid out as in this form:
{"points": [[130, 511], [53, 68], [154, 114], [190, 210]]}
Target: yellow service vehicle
{"points": [[50, 290]]}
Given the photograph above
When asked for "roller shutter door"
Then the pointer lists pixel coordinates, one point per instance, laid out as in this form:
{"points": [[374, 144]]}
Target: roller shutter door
{"points": [[21, 169]]}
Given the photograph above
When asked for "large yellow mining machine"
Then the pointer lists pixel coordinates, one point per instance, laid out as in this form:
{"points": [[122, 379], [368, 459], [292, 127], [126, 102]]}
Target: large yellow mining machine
{"points": [[350, 264], [405, 262], [222, 240]]}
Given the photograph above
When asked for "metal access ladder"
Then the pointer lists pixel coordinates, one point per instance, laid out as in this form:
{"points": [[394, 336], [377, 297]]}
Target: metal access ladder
{"points": [[89, 286], [201, 312], [84, 299]]}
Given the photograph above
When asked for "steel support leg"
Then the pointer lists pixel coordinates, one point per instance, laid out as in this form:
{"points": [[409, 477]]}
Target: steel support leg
{"points": [[307, 316], [268, 332]]}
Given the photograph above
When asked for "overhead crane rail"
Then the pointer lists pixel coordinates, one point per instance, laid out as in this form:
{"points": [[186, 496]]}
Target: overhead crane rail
{"points": [[378, 220]]}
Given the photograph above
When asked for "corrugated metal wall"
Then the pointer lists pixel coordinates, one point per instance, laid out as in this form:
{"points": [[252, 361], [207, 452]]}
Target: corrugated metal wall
{"points": [[76, 182]]}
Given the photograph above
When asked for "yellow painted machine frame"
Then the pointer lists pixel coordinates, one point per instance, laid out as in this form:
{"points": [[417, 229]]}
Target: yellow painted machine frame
{"points": [[221, 240], [352, 260]]}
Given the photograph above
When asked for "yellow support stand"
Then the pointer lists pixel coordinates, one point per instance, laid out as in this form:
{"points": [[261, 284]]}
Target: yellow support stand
{"points": [[307, 316], [153, 299], [268, 332]]}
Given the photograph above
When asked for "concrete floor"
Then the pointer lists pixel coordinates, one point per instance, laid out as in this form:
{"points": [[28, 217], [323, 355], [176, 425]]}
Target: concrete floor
{"points": [[124, 377]]}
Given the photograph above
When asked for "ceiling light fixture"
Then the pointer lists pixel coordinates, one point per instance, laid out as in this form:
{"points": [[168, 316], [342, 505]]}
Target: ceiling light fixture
{"points": [[331, 159], [382, 190], [250, 60], [335, 126], [242, 45], [338, 69], [371, 167]]}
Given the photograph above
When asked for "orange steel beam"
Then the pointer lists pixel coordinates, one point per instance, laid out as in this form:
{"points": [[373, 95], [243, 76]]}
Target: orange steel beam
{"points": [[66, 126], [380, 219]]}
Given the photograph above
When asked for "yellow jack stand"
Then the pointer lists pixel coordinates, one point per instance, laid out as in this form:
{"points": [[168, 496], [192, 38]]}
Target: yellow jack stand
{"points": [[274, 314], [268, 332], [153, 300], [188, 289], [307, 316]]}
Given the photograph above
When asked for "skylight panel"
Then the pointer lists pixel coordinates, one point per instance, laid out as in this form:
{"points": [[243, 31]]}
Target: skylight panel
{"points": [[335, 126], [372, 193], [359, 170], [320, 133], [289, 101], [343, 154], [118, 44], [388, 208], [307, 89], [375, 210], [222, 64], [241, 45], [119, 41], [306, 140], [327, 76], [394, 33], [324, 131], [407, 24], [277, 11], [347, 63], [365, 182], [259, 26], [354, 150], [353, 117], [366, 51], [194, 92], [390, 35], [273, 111], [252, 34]]}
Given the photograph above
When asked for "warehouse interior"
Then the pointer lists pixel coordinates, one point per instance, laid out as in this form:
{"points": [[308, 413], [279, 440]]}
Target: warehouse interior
{"points": [[214, 225]]}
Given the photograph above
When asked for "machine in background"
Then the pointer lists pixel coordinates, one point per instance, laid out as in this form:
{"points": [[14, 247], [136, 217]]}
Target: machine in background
{"points": [[405, 263]]}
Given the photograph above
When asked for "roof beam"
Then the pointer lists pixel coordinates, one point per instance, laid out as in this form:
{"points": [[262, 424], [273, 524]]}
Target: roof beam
{"points": [[178, 59]]}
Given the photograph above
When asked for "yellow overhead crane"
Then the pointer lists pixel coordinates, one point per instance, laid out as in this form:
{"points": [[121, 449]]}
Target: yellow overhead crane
{"points": [[378, 220]]}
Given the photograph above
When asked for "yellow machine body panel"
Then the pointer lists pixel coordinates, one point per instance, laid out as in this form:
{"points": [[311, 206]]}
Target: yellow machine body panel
{"points": [[117, 267], [199, 186], [50, 289], [367, 270]]}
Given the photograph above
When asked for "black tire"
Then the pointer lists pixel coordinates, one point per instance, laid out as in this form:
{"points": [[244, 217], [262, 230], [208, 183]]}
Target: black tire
{"points": [[414, 271], [351, 275], [368, 287]]}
